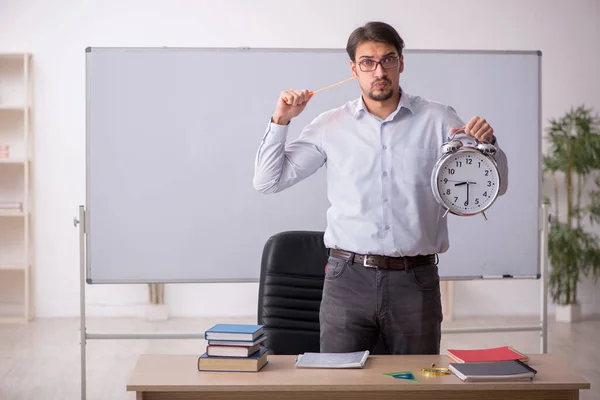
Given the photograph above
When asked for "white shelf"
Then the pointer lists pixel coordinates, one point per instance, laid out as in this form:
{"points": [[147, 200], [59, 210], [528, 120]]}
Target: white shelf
{"points": [[13, 267], [11, 213], [13, 161], [13, 320], [16, 230], [12, 56]]}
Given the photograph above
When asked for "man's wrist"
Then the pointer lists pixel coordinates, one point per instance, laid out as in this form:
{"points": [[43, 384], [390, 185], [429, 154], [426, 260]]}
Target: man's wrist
{"points": [[280, 121]]}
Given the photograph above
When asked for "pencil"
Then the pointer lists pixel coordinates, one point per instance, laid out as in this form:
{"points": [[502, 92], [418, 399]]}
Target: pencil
{"points": [[310, 94]]}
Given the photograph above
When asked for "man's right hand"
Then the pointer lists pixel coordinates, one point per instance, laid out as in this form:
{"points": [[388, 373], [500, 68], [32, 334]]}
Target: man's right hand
{"points": [[296, 102]]}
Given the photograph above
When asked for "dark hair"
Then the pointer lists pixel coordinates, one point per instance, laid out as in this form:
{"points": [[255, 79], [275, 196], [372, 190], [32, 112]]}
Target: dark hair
{"points": [[373, 32]]}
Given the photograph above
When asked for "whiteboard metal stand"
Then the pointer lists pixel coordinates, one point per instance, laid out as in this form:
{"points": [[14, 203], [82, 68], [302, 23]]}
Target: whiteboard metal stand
{"points": [[543, 277], [545, 223], [84, 336]]}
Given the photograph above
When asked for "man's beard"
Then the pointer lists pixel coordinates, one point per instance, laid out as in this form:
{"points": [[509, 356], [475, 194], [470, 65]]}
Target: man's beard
{"points": [[383, 94]]}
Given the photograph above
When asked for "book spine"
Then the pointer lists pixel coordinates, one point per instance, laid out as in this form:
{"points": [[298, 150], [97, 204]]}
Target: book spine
{"points": [[526, 366]]}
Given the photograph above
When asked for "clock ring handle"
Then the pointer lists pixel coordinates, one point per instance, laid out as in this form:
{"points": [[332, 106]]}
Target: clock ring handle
{"points": [[484, 147], [462, 130]]}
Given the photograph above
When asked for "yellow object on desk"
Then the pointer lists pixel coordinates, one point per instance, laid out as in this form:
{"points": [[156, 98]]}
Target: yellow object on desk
{"points": [[435, 371]]}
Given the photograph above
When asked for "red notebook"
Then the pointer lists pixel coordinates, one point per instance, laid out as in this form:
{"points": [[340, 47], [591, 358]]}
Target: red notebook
{"points": [[505, 353]]}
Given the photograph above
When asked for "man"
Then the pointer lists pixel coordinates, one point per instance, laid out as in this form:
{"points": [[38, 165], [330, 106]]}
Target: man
{"points": [[384, 226]]}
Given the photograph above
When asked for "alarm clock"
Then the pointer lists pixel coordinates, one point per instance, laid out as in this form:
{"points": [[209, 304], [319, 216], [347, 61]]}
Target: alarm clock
{"points": [[465, 179]]}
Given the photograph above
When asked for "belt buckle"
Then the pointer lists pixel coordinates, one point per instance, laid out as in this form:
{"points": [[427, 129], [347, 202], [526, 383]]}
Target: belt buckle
{"points": [[368, 265], [372, 265]]}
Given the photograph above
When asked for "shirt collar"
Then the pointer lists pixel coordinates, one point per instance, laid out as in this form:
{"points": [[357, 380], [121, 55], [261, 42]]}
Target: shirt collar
{"points": [[404, 102]]}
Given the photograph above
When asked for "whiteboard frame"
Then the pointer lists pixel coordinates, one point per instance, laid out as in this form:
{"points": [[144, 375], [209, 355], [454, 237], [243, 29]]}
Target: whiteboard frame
{"points": [[88, 209]]}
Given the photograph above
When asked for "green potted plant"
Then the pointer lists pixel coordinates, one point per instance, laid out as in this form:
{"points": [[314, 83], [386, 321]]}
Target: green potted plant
{"points": [[573, 247]]}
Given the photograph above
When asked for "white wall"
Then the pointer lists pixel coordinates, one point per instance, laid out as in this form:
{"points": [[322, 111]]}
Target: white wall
{"points": [[57, 32]]}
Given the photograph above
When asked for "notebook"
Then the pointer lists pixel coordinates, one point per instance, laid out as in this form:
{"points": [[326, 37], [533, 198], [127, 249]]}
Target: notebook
{"points": [[332, 360], [493, 371], [505, 353]]}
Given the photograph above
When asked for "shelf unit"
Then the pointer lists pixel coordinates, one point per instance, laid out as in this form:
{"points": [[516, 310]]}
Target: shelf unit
{"points": [[16, 200]]}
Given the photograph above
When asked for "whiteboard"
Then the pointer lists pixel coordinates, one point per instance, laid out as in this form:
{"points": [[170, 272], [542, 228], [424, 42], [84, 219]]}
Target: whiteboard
{"points": [[172, 134]]}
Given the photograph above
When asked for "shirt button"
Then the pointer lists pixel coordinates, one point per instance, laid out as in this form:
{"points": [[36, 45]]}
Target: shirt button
{"points": [[385, 174], [385, 147], [385, 200], [387, 227]]}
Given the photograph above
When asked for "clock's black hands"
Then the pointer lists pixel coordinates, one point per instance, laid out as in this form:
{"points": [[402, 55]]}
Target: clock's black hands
{"points": [[467, 203], [464, 183]]}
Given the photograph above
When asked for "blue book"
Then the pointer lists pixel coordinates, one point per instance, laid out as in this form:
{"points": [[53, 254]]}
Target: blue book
{"points": [[241, 332]]}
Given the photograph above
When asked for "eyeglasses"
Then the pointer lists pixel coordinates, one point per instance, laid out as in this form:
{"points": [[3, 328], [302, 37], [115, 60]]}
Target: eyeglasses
{"points": [[369, 65]]}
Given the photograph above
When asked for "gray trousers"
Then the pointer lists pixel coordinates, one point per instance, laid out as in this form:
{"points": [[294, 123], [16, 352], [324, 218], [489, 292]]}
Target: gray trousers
{"points": [[361, 304]]}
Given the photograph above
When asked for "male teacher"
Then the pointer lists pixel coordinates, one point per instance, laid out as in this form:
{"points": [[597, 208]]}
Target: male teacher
{"points": [[384, 226]]}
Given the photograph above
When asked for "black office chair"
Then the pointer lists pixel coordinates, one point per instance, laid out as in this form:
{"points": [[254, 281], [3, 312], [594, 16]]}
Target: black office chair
{"points": [[290, 289]]}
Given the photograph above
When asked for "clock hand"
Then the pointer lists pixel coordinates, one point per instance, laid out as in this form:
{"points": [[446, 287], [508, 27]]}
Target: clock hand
{"points": [[464, 183], [467, 193]]}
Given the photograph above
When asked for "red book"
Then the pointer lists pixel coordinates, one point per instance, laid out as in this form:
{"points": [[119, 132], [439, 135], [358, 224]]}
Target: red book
{"points": [[505, 353]]}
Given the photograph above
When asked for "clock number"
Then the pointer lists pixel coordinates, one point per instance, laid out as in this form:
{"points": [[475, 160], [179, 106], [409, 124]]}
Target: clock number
{"points": [[479, 164], [469, 161], [487, 172], [458, 164], [484, 194], [466, 203], [445, 180], [477, 200], [448, 191], [489, 183], [455, 199], [451, 171]]}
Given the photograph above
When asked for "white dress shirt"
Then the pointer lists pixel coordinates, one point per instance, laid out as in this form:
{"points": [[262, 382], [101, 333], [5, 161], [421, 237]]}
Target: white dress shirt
{"points": [[378, 173]]}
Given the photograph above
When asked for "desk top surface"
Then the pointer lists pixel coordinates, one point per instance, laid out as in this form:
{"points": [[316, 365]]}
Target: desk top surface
{"points": [[174, 372]]}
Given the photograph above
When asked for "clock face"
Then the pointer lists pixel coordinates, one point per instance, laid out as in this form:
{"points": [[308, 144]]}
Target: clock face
{"points": [[466, 182]]}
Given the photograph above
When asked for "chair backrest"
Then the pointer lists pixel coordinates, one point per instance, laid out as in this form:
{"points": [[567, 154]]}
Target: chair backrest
{"points": [[290, 290]]}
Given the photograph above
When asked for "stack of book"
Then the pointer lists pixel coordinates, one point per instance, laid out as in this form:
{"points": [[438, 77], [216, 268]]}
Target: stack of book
{"points": [[234, 347], [493, 364]]}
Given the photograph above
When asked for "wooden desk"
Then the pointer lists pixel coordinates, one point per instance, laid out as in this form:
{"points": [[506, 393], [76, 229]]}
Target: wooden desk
{"points": [[177, 377]]}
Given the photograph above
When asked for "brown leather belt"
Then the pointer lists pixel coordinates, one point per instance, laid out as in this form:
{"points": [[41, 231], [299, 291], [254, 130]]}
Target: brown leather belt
{"points": [[383, 262]]}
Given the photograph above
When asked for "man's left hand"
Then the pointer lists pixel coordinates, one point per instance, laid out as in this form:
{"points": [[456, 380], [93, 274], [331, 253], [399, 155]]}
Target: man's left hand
{"points": [[478, 128]]}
